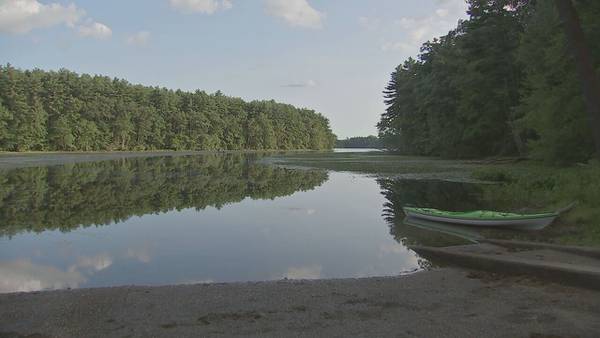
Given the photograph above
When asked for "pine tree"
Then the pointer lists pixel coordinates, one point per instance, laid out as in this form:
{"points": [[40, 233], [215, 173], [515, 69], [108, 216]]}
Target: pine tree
{"points": [[584, 63], [4, 123]]}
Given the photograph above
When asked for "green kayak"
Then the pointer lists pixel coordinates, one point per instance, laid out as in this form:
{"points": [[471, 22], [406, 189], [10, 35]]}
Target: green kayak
{"points": [[484, 218]]}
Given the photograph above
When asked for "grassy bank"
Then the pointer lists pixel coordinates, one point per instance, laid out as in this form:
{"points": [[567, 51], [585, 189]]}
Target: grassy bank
{"points": [[535, 186]]}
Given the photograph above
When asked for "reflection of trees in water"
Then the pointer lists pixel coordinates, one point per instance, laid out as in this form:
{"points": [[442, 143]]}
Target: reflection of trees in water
{"points": [[425, 193], [97, 193]]}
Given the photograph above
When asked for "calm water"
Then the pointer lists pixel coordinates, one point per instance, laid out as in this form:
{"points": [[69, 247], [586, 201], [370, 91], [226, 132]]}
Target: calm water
{"points": [[200, 219]]}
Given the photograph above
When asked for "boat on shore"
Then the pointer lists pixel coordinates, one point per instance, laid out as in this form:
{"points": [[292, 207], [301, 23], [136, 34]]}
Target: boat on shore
{"points": [[484, 218]]}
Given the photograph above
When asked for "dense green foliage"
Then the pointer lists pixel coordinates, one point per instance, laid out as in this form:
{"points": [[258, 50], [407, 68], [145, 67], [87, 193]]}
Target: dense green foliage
{"points": [[64, 111], [96, 193], [360, 142], [501, 83]]}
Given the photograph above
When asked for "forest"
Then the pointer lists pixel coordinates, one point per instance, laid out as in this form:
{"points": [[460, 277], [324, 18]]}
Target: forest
{"points": [[64, 111], [360, 142], [98, 193], [502, 83]]}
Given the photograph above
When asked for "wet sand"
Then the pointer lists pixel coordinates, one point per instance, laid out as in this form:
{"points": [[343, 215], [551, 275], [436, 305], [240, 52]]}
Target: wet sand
{"points": [[439, 303]]}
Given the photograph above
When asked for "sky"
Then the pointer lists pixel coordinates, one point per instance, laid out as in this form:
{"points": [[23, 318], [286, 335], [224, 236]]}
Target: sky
{"points": [[333, 56]]}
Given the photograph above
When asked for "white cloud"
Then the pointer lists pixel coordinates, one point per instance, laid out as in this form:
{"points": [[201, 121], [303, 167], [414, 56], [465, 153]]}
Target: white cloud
{"points": [[421, 29], [306, 84], [442, 12], [94, 30], [139, 39], [22, 16], [297, 13], [416, 30], [201, 6], [369, 23], [387, 46]]}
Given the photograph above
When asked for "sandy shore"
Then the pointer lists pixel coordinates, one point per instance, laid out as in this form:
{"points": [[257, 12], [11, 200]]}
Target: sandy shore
{"points": [[440, 303]]}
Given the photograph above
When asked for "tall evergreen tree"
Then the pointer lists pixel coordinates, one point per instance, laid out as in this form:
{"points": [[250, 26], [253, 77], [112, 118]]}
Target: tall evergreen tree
{"points": [[4, 123], [584, 64]]}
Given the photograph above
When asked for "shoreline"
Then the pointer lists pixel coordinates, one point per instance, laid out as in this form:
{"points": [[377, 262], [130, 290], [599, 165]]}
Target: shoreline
{"points": [[16, 160], [441, 302], [46, 159]]}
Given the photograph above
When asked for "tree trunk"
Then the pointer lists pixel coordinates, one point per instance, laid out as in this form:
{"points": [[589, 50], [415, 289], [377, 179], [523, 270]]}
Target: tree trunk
{"points": [[585, 66]]}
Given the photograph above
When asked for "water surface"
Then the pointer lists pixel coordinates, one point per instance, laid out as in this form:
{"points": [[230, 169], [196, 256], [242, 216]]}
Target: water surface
{"points": [[200, 219]]}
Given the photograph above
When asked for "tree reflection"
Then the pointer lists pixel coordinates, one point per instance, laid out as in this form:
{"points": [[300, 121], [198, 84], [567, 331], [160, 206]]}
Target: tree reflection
{"points": [[99, 193]]}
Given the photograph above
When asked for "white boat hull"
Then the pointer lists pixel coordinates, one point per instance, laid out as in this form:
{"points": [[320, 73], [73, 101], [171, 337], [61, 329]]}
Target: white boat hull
{"points": [[527, 224]]}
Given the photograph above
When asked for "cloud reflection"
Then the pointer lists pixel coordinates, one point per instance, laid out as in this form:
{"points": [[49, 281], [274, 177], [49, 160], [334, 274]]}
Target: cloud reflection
{"points": [[98, 262], [391, 249], [142, 255], [24, 276], [307, 211]]}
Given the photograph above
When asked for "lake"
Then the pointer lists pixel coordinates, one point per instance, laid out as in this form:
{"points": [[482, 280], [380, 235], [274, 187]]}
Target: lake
{"points": [[204, 219]]}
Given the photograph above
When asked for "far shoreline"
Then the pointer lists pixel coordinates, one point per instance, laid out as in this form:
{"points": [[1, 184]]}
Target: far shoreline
{"points": [[15, 160]]}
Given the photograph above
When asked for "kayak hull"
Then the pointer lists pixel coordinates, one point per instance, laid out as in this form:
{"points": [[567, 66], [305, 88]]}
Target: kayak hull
{"points": [[457, 230], [533, 223]]}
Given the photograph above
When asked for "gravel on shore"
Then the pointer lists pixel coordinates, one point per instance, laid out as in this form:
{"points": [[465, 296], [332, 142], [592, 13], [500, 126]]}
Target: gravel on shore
{"points": [[439, 303]]}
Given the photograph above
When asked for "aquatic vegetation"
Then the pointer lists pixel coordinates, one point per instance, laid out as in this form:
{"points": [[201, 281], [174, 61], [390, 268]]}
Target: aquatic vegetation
{"points": [[381, 164]]}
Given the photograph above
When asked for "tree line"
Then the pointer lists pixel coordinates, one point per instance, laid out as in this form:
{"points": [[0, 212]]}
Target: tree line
{"points": [[360, 142], [64, 111], [503, 82], [97, 193]]}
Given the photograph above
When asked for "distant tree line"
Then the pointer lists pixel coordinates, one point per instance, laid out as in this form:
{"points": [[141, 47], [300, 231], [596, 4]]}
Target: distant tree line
{"points": [[98, 193], [502, 83], [64, 111], [360, 142]]}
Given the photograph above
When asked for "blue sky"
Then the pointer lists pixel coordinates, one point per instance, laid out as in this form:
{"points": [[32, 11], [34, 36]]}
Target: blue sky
{"points": [[334, 56]]}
